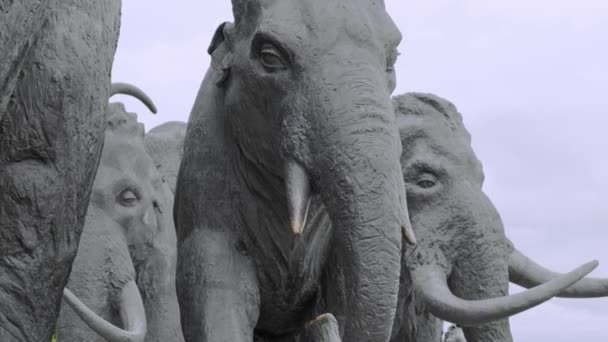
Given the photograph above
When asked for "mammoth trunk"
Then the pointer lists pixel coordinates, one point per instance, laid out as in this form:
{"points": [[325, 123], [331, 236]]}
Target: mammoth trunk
{"points": [[356, 156], [480, 282]]}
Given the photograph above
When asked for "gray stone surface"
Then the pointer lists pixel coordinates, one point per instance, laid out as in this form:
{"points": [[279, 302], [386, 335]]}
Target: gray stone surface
{"points": [[295, 109], [165, 144], [130, 236], [21, 22], [55, 67]]}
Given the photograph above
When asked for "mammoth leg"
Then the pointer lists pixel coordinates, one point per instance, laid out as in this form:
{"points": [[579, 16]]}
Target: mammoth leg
{"points": [[217, 288]]}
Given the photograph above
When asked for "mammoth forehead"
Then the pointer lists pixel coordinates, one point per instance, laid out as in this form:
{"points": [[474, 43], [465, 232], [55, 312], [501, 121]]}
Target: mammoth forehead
{"points": [[128, 156], [323, 22], [438, 142]]}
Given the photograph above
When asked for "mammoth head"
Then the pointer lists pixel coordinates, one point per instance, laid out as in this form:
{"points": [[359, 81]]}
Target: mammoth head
{"points": [[130, 194], [461, 264], [303, 88]]}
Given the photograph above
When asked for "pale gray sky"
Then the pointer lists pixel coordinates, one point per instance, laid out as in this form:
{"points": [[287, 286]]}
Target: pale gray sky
{"points": [[530, 78]]}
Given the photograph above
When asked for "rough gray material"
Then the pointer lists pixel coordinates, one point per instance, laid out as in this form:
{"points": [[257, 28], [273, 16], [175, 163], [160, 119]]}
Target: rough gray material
{"points": [[21, 22], [165, 144], [131, 237], [296, 102], [57, 78], [460, 232]]}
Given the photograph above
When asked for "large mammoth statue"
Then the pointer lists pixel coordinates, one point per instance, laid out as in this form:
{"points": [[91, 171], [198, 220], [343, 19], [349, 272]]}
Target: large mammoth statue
{"points": [[124, 273], [293, 131], [294, 127], [463, 262], [55, 65]]}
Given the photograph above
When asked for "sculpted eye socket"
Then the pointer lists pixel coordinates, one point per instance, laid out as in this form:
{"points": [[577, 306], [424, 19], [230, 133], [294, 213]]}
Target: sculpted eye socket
{"points": [[128, 198], [426, 181], [272, 58]]}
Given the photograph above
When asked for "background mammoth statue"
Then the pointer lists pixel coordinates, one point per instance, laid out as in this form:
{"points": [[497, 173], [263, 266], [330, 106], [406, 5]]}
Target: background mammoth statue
{"points": [[124, 272], [165, 144], [292, 132], [463, 262], [55, 65]]}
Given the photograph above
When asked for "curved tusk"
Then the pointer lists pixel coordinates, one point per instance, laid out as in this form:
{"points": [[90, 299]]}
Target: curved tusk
{"points": [[298, 195], [524, 272], [132, 313], [129, 89], [431, 283]]}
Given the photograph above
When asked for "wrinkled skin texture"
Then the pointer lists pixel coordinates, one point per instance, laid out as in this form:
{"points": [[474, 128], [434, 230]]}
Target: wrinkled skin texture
{"points": [[305, 84], [165, 144], [20, 24], [129, 235], [55, 65]]}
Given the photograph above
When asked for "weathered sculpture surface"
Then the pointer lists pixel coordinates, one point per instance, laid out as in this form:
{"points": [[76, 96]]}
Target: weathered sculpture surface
{"points": [[165, 144], [294, 127], [55, 62], [128, 246], [463, 258]]}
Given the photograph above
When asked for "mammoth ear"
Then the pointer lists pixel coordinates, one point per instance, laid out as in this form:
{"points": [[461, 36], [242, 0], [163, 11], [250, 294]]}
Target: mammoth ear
{"points": [[219, 49]]}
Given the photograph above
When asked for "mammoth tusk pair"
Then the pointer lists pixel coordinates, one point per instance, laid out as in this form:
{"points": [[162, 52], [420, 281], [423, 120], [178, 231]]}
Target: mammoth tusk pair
{"points": [[431, 282], [132, 313], [129, 89], [299, 194], [525, 272]]}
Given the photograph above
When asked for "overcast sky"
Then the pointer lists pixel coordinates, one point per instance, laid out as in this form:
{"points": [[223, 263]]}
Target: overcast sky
{"points": [[530, 78]]}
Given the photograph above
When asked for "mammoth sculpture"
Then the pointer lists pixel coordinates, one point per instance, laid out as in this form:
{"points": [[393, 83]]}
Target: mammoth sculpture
{"points": [[461, 267], [55, 65], [124, 272], [165, 144], [294, 127]]}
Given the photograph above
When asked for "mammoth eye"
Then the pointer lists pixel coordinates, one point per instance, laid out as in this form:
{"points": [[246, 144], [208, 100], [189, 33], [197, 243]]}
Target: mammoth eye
{"points": [[271, 58], [427, 181], [128, 198]]}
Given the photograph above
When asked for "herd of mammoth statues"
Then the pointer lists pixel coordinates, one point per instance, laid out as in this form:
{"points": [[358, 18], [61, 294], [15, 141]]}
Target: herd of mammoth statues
{"points": [[301, 202]]}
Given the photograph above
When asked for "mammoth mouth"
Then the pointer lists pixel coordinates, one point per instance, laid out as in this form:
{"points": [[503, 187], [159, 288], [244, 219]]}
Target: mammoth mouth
{"points": [[299, 194]]}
